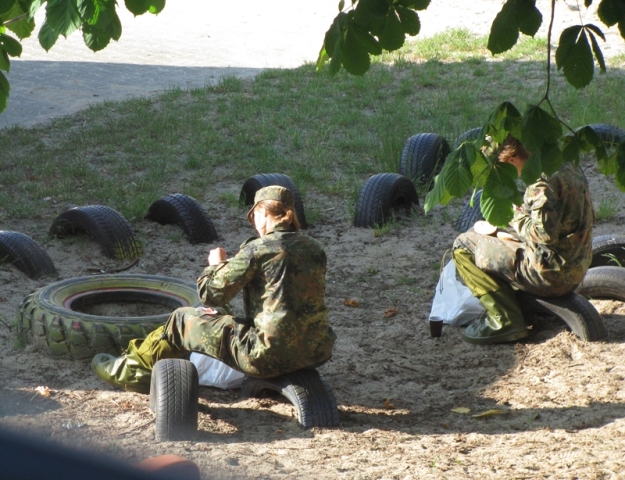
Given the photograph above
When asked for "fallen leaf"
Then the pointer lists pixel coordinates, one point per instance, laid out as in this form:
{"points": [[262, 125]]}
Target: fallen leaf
{"points": [[351, 302], [490, 413], [445, 425], [461, 410], [43, 391], [388, 405], [389, 312]]}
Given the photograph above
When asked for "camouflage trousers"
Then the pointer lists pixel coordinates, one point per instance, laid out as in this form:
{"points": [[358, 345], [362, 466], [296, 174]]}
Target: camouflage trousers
{"points": [[224, 337], [512, 262]]}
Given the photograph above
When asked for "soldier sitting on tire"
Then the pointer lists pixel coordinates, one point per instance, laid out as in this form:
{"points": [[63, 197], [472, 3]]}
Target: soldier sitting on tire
{"points": [[545, 251], [285, 328]]}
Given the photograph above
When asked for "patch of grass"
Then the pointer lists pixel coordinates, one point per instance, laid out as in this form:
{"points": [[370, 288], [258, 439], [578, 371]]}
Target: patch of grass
{"points": [[329, 134], [609, 205]]}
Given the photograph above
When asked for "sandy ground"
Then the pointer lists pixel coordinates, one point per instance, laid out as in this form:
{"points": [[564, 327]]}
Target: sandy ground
{"points": [[561, 400]]}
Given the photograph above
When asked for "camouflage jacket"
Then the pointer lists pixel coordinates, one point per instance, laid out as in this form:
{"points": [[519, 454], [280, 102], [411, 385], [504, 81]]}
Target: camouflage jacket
{"points": [[555, 224], [282, 275]]}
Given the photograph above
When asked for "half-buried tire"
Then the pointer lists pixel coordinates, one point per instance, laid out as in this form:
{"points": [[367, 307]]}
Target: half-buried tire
{"points": [[379, 195], [306, 389], [26, 254], [423, 157], [606, 282], [53, 317], [608, 250], [112, 231], [255, 183], [575, 311], [185, 212], [469, 213]]}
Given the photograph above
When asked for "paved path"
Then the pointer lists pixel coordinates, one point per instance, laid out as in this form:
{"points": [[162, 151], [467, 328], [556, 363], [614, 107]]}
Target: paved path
{"points": [[192, 43]]}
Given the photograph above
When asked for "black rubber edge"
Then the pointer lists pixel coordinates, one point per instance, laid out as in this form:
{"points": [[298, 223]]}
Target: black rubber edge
{"points": [[25, 254], [187, 213], [469, 214], [112, 231], [575, 311], [306, 389], [379, 195], [603, 282]]}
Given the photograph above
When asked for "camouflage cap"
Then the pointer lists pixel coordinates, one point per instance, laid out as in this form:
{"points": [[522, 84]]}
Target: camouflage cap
{"points": [[272, 192]]}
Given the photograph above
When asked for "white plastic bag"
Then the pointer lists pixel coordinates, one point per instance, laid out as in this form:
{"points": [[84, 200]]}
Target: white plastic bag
{"points": [[213, 373], [453, 302]]}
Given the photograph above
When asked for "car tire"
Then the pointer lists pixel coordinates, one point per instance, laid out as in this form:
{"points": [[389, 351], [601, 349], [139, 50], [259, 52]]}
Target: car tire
{"points": [[306, 389], [174, 396]]}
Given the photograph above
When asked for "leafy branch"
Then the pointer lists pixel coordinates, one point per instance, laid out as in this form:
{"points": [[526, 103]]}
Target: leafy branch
{"points": [[370, 26]]}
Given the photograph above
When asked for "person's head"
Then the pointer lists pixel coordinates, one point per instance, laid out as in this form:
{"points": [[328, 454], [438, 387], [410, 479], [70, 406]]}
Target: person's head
{"points": [[513, 152], [273, 205]]}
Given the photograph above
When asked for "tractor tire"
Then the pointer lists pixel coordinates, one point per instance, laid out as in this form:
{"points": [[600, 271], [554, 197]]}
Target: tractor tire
{"points": [[26, 254], [255, 183], [381, 193], [174, 396], [608, 250], [422, 158], [603, 282], [185, 212], [106, 225], [49, 319], [306, 389], [575, 311], [469, 214]]}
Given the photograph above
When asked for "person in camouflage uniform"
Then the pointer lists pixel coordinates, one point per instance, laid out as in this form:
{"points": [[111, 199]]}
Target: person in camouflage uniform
{"points": [[546, 250], [285, 328]]}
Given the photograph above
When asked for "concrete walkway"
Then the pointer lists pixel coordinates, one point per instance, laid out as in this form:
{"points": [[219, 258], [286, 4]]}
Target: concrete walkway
{"points": [[192, 43]]}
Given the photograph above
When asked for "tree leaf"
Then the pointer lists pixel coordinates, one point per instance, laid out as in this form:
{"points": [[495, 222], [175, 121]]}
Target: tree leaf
{"points": [[587, 3], [574, 57], [572, 147], [368, 41], [12, 46], [619, 155], [137, 7], [392, 34], [504, 32], [62, 16], [5, 6], [529, 17], [539, 127], [458, 177], [415, 4], [532, 169], [611, 12], [438, 194], [47, 36], [354, 56], [156, 6], [500, 191], [334, 32], [409, 20], [550, 157], [335, 62], [597, 51], [5, 63], [4, 91]]}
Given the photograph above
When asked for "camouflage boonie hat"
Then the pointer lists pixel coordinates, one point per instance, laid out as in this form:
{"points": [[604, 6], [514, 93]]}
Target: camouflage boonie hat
{"points": [[272, 192]]}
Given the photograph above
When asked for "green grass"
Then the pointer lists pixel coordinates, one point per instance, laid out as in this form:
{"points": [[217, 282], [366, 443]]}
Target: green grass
{"points": [[329, 134]]}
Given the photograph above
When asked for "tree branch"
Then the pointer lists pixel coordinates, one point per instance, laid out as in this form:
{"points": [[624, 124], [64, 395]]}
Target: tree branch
{"points": [[16, 19]]}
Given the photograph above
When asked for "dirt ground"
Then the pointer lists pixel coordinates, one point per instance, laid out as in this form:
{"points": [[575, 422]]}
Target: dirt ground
{"points": [[563, 400]]}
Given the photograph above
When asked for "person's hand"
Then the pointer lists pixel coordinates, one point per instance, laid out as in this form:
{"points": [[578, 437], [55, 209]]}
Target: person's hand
{"points": [[217, 256]]}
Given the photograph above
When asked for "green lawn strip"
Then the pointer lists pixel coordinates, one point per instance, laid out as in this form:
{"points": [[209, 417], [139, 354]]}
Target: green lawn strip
{"points": [[328, 133]]}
